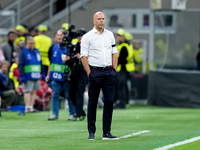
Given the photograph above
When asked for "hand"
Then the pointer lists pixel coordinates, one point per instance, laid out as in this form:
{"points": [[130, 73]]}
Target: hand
{"points": [[23, 79], [66, 58], [14, 54], [77, 56], [47, 78], [88, 73]]}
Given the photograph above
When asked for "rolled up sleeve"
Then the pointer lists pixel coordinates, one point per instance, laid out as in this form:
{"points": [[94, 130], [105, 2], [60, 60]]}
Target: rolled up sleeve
{"points": [[84, 46]]}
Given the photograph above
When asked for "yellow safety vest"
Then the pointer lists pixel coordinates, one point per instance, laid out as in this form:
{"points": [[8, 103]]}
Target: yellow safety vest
{"points": [[137, 55], [138, 59], [21, 38], [43, 43], [130, 64], [16, 82]]}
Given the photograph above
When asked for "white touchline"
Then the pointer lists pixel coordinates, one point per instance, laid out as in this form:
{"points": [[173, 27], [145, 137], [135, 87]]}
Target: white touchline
{"points": [[134, 134], [178, 143]]}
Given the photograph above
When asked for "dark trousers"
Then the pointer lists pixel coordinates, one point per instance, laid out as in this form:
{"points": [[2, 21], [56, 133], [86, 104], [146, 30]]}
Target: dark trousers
{"points": [[123, 94], [105, 80], [76, 91]]}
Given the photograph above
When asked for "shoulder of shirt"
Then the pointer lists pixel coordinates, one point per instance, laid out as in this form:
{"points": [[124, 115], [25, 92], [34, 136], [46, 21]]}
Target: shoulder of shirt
{"points": [[108, 31], [88, 34]]}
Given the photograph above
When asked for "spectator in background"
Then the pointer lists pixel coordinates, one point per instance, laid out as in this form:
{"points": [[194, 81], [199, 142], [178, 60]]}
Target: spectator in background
{"points": [[30, 71], [198, 58], [9, 48], [43, 43], [56, 77], [20, 30], [20, 45], [14, 68], [2, 58], [7, 89], [137, 55]]}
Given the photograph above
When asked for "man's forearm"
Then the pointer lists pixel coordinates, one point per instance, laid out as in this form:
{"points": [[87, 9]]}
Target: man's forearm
{"points": [[85, 63], [114, 60]]}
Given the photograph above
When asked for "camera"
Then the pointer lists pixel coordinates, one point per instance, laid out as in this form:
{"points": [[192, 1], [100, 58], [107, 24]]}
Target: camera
{"points": [[68, 36], [67, 41]]}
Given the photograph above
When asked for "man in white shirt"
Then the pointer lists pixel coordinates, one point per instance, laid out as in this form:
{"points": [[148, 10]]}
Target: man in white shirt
{"points": [[99, 58]]}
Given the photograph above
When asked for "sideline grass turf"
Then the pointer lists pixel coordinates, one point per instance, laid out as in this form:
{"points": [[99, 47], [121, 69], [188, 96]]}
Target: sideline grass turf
{"points": [[34, 132]]}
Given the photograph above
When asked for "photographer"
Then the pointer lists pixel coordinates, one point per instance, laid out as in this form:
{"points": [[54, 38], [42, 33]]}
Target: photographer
{"points": [[78, 78], [56, 77]]}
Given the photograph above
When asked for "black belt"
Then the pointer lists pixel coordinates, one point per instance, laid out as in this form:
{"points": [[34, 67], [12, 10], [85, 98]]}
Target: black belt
{"points": [[101, 68]]}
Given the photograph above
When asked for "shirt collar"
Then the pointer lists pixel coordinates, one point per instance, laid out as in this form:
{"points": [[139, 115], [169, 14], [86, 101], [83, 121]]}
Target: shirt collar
{"points": [[95, 30]]}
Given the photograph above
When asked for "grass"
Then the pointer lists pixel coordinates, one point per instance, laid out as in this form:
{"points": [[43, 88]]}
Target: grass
{"points": [[166, 125]]}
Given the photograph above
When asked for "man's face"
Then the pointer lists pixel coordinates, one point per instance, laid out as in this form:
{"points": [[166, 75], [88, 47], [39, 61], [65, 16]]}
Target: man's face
{"points": [[59, 36], [19, 33], [99, 20], [136, 45], [4, 68], [11, 37], [30, 44], [120, 38], [79, 38]]}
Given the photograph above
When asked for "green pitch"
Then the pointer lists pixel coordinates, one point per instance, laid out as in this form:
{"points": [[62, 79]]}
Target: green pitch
{"points": [[164, 125]]}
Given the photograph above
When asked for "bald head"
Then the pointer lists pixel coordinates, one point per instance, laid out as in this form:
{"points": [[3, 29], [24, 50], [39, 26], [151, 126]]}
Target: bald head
{"points": [[99, 21], [96, 14]]}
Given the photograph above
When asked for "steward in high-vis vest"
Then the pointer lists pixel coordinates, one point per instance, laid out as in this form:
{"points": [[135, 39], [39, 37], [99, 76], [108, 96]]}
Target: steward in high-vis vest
{"points": [[58, 67], [125, 65], [127, 52], [138, 51], [30, 69], [20, 30], [43, 43]]}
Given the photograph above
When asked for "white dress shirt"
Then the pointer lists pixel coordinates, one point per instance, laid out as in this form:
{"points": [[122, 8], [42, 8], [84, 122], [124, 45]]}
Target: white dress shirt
{"points": [[98, 47]]}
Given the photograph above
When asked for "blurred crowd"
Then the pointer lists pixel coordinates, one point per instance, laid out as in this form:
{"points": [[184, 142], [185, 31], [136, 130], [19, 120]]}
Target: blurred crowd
{"points": [[42, 69]]}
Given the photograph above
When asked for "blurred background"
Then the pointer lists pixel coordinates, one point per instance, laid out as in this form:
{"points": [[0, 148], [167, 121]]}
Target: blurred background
{"points": [[167, 31]]}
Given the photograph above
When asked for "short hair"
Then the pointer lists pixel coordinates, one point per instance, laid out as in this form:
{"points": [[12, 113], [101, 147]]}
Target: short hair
{"points": [[5, 62], [60, 30], [28, 38], [10, 32]]}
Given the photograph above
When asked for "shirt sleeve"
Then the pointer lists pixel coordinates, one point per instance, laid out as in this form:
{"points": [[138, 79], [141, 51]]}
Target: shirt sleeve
{"points": [[50, 53], [114, 48], [122, 57], [84, 46]]}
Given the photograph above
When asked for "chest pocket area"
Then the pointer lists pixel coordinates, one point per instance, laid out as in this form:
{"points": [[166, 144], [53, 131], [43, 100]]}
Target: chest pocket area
{"points": [[108, 44]]}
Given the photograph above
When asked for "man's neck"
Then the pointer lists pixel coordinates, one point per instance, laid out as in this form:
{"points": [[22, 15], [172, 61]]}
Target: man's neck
{"points": [[29, 49], [99, 30]]}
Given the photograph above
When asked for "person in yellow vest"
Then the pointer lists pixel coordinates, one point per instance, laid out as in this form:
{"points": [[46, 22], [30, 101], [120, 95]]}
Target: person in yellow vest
{"points": [[11, 74], [19, 30], [43, 43], [138, 51], [125, 65]]}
